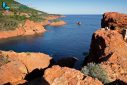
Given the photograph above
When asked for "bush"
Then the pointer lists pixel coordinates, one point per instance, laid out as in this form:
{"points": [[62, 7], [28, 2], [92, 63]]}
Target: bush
{"points": [[36, 18], [28, 53], [3, 60], [56, 20], [18, 17], [11, 22], [8, 24], [95, 71]]}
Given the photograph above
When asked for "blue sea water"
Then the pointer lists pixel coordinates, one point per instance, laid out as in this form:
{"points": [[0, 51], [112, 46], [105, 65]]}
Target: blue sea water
{"points": [[70, 40]]}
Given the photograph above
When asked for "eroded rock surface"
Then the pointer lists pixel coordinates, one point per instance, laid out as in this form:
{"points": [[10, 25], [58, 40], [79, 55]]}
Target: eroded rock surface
{"points": [[66, 76], [20, 64], [29, 28], [114, 20], [110, 50]]}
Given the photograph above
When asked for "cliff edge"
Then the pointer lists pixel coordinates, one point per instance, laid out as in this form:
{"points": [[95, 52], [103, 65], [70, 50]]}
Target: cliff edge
{"points": [[109, 49]]}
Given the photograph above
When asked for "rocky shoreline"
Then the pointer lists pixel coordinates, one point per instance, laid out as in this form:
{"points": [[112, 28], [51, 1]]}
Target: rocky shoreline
{"points": [[108, 49], [31, 28], [60, 23]]}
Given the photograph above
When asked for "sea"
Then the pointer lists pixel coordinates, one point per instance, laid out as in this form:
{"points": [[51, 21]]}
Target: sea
{"points": [[70, 40]]}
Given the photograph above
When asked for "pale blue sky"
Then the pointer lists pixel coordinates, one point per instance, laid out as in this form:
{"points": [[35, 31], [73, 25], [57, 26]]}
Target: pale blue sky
{"points": [[77, 6]]}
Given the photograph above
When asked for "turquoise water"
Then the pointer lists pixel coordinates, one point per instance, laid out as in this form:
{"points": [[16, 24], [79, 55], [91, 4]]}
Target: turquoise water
{"points": [[70, 40]]}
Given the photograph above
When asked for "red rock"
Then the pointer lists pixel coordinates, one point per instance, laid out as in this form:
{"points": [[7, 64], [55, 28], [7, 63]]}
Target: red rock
{"points": [[114, 19], [67, 76], [29, 28], [109, 49], [21, 64], [52, 17], [59, 23]]}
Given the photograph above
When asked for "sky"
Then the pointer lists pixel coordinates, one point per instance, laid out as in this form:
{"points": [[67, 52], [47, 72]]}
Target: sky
{"points": [[77, 6]]}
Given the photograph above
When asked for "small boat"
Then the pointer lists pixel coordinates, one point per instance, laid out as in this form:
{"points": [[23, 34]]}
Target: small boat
{"points": [[79, 23]]}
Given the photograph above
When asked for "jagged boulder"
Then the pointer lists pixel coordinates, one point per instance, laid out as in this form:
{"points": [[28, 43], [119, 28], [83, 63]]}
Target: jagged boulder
{"points": [[66, 76], [17, 65]]}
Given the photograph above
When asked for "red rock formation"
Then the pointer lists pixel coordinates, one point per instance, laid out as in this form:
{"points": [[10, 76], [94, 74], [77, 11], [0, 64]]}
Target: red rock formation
{"points": [[109, 48], [114, 19], [52, 17], [29, 28], [66, 76], [21, 64], [59, 23]]}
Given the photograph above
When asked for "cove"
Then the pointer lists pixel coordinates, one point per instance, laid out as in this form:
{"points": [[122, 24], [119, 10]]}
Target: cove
{"points": [[70, 40]]}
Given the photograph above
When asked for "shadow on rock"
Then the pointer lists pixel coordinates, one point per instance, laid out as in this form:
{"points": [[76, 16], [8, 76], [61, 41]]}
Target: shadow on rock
{"points": [[67, 62], [36, 77], [117, 82]]}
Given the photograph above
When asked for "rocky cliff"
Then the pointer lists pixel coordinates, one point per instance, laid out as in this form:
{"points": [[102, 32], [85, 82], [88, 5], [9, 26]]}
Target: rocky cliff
{"points": [[34, 69], [14, 67], [109, 49], [29, 28], [114, 20], [22, 20]]}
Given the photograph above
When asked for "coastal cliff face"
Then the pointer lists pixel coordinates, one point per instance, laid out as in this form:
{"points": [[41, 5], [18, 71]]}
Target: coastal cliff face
{"points": [[23, 20], [109, 49], [29, 28], [14, 67], [105, 43], [34, 69], [114, 20]]}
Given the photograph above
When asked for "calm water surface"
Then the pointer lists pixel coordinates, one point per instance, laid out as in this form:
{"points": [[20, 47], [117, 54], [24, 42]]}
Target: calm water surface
{"points": [[71, 40]]}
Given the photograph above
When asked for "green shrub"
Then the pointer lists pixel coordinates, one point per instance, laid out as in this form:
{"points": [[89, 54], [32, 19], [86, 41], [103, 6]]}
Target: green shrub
{"points": [[56, 20], [11, 22], [8, 24], [95, 71], [3, 60], [19, 18], [36, 18], [28, 53]]}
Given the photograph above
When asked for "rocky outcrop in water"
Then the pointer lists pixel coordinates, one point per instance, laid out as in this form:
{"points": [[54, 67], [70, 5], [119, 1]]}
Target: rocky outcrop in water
{"points": [[15, 66], [59, 23]]}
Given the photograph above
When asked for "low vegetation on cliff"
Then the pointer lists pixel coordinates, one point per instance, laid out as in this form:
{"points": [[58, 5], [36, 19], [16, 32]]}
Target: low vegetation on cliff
{"points": [[3, 60], [56, 20], [95, 71], [17, 14]]}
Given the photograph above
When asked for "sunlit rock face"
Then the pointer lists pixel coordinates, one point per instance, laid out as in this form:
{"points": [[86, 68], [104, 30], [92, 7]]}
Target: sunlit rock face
{"points": [[114, 20], [16, 66], [57, 75], [110, 50]]}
